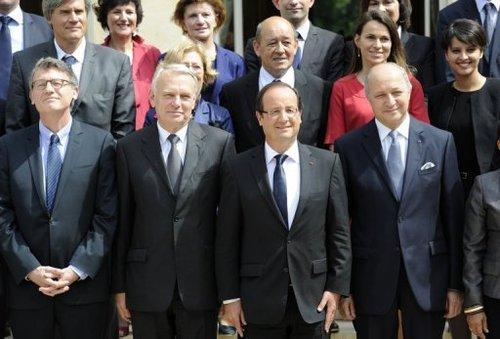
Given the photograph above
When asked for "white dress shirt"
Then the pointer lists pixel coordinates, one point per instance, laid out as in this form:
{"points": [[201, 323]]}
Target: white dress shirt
{"points": [[402, 137], [480, 5], [266, 78], [165, 143], [303, 30], [291, 167], [79, 55], [16, 29]]}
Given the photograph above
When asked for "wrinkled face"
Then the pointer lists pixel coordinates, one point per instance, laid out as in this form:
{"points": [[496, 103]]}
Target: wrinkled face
{"points": [[463, 58], [374, 43], [69, 22], [122, 20], [295, 11], [391, 7], [276, 48], [193, 61], [52, 92], [174, 99], [6, 6], [282, 118], [200, 21], [389, 97]]}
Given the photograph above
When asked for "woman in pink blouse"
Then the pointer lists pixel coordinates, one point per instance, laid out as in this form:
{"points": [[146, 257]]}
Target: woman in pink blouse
{"points": [[376, 41]]}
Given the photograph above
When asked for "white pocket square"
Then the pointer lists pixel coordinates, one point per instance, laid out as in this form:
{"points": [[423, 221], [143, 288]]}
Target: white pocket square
{"points": [[427, 166]]}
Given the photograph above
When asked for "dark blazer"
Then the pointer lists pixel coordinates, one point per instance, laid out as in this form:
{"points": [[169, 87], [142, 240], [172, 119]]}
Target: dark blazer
{"points": [[106, 92], [485, 114], [164, 240], [464, 9], [239, 98], [257, 257], [424, 228], [80, 229], [482, 240], [323, 54]]}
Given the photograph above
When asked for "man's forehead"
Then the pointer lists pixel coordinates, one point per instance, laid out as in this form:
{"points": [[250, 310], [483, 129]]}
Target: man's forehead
{"points": [[50, 72]]}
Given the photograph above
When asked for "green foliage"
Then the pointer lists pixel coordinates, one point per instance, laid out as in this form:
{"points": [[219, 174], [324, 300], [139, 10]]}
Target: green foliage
{"points": [[339, 16]]}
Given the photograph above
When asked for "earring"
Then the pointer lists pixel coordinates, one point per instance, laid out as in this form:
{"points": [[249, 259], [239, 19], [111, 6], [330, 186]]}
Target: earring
{"points": [[358, 53]]}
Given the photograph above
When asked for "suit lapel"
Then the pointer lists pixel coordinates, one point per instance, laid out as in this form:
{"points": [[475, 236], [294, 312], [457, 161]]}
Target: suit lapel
{"points": [[87, 73], [152, 150], [194, 150], [307, 173], [413, 156], [27, 30], [310, 47], [35, 162]]}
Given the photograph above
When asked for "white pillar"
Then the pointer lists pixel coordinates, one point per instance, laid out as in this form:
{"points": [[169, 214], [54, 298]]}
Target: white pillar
{"points": [[239, 44]]}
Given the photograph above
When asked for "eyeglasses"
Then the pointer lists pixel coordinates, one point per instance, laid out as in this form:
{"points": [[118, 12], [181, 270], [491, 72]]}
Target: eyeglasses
{"points": [[55, 83], [289, 112]]}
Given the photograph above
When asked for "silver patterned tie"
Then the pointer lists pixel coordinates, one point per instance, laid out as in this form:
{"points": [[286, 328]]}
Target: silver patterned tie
{"points": [[395, 165], [174, 163]]}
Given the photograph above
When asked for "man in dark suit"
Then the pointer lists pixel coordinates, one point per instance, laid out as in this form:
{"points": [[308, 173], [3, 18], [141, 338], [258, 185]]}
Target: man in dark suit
{"points": [[58, 207], [282, 254], [406, 207], [474, 10], [320, 52], [168, 179], [18, 30], [106, 94], [276, 45]]}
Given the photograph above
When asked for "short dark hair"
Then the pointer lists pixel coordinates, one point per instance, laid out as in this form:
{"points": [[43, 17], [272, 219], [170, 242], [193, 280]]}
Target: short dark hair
{"points": [[49, 63], [217, 5], [103, 7], [259, 106], [404, 12], [467, 31]]}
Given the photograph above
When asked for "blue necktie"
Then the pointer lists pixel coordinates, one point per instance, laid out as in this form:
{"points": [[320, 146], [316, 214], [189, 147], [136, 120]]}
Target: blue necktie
{"points": [[395, 165], [279, 186], [52, 172], [5, 56], [69, 60], [489, 27], [298, 55]]}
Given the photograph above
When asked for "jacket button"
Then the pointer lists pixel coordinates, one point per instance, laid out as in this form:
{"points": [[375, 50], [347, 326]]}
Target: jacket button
{"points": [[289, 242], [398, 249], [176, 219], [285, 270]]}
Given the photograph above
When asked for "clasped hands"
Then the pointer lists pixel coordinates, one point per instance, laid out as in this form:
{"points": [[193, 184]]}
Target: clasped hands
{"points": [[52, 281]]}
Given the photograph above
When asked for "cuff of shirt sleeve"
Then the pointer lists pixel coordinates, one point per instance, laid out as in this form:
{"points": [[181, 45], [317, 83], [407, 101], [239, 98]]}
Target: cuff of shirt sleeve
{"points": [[82, 275], [225, 302]]}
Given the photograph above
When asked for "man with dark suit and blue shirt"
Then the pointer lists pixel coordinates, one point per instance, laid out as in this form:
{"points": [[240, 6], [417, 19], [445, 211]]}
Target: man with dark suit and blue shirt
{"points": [[18, 30], [486, 13], [106, 93], [169, 184], [283, 255], [406, 207], [58, 206]]}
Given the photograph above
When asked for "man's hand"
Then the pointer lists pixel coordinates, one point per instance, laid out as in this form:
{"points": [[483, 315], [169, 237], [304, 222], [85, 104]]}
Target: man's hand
{"points": [[331, 301], [347, 308], [65, 277], [48, 280], [233, 314], [454, 302], [122, 307], [478, 324]]}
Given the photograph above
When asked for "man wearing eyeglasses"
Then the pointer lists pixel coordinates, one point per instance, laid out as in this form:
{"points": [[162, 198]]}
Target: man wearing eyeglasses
{"points": [[283, 255], [58, 204]]}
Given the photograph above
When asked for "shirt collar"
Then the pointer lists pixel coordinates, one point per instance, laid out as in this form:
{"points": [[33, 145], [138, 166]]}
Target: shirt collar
{"points": [[16, 14], [292, 152], [403, 129], [79, 52], [304, 29], [266, 78], [182, 133], [480, 4], [63, 133]]}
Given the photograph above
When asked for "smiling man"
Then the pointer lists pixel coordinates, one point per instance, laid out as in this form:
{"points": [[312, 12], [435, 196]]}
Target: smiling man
{"points": [[106, 96]]}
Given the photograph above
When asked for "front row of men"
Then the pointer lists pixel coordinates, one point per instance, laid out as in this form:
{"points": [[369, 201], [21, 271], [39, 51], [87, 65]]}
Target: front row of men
{"points": [[265, 232]]}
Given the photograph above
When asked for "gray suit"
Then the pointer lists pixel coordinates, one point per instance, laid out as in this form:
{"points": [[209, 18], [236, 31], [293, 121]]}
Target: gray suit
{"points": [[105, 99]]}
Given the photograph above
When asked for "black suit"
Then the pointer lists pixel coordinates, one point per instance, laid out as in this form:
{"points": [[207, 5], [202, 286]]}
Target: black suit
{"points": [[257, 257], [323, 54], [78, 232], [239, 98], [164, 245]]}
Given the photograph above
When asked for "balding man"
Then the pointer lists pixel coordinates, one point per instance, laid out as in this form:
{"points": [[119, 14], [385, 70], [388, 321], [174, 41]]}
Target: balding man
{"points": [[276, 45], [320, 52], [406, 204]]}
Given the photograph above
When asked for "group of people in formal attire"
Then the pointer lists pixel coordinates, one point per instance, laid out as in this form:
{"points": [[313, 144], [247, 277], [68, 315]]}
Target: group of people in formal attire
{"points": [[198, 191]]}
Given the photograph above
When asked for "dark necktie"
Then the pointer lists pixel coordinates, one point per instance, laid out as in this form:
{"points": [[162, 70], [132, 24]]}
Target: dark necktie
{"points": [[5, 56], [52, 172], [489, 26], [279, 186], [298, 55], [69, 60], [174, 163], [395, 165]]}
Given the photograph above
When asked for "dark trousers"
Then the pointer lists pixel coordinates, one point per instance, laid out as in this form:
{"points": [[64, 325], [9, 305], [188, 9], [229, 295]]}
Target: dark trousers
{"points": [[416, 323], [176, 322], [71, 321], [291, 327], [492, 310]]}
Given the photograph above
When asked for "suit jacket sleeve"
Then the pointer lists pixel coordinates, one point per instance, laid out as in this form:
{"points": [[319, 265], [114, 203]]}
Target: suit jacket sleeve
{"points": [[15, 250], [252, 61], [17, 112], [123, 117], [452, 212], [474, 245], [338, 233], [91, 251]]}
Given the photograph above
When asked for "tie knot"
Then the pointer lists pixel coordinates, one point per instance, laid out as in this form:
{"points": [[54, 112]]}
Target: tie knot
{"points": [[69, 60], [54, 139], [173, 138], [393, 135], [5, 20], [280, 158], [488, 6]]}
